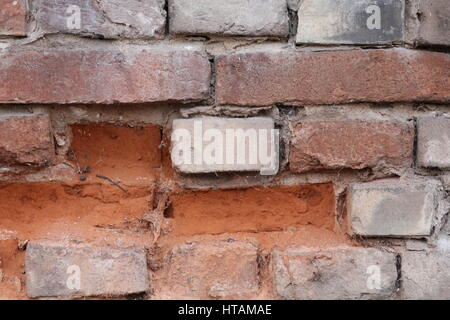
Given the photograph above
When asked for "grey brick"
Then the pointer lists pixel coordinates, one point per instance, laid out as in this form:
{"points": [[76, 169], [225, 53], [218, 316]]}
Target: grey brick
{"points": [[425, 275], [429, 22], [232, 17], [229, 160], [393, 208], [337, 273], [433, 142], [103, 271], [102, 18], [348, 21]]}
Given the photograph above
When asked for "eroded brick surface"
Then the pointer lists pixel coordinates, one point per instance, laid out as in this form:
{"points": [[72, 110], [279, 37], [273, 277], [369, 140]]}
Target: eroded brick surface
{"points": [[212, 269], [334, 273], [103, 76], [237, 17], [354, 144], [66, 271], [104, 18], [26, 140], [13, 14], [267, 78]]}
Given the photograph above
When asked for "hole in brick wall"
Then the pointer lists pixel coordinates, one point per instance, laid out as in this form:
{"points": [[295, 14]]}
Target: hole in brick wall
{"points": [[253, 209], [120, 153], [86, 212]]}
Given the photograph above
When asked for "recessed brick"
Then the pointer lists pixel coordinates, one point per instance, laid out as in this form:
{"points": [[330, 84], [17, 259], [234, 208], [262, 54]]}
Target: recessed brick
{"points": [[217, 17], [103, 18], [26, 140], [429, 22], [212, 269], [393, 208], [103, 76], [204, 145], [307, 78], [350, 21], [66, 271], [257, 209], [433, 142], [425, 275], [337, 273], [13, 15], [354, 144]]}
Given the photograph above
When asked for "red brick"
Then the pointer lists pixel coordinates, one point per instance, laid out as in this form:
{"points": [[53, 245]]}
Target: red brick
{"points": [[350, 144], [302, 78], [103, 76], [13, 14], [26, 140]]}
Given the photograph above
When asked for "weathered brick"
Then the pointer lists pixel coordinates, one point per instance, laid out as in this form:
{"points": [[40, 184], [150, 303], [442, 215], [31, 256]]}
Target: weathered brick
{"points": [[298, 78], [354, 144], [393, 208], [433, 142], [350, 21], [237, 17], [13, 15], [216, 269], [429, 22], [52, 271], [337, 273], [203, 145], [103, 18], [103, 76], [26, 140], [425, 275]]}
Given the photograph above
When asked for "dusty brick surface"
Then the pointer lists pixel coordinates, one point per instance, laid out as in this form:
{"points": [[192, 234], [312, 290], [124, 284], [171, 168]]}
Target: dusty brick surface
{"points": [[334, 273], [354, 144], [26, 140], [245, 134], [104, 18], [103, 76], [425, 275], [393, 208], [350, 21], [212, 269], [51, 270], [429, 22], [433, 142], [267, 78], [237, 17], [13, 14]]}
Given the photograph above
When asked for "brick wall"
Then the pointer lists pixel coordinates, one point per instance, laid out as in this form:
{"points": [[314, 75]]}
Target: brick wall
{"points": [[118, 178]]}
